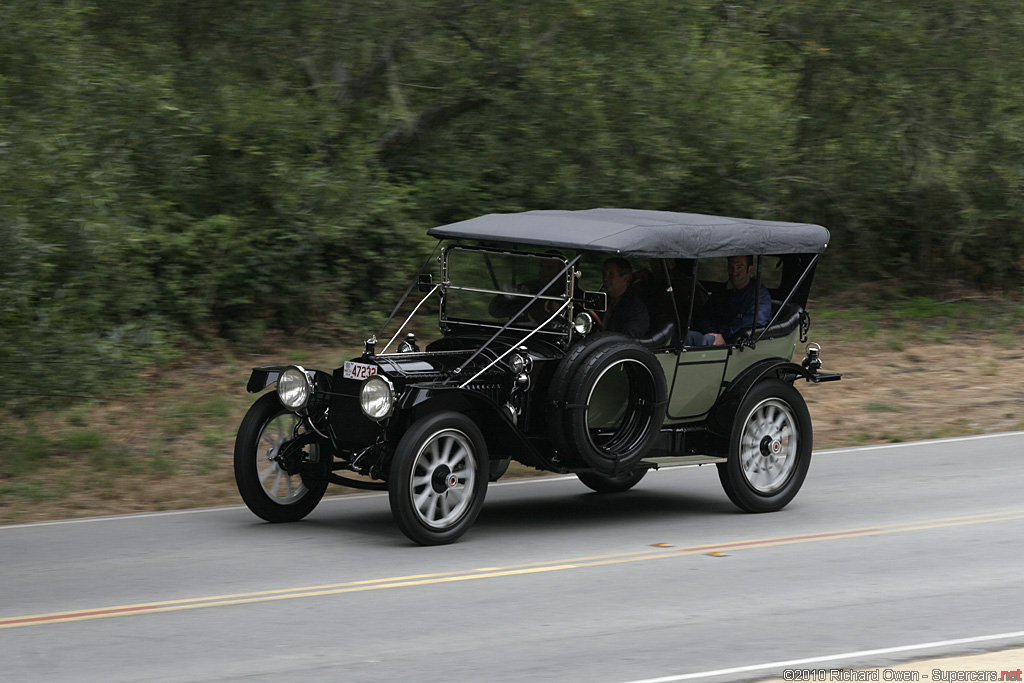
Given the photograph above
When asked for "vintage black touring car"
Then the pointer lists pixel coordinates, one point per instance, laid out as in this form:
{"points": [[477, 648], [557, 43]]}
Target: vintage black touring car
{"points": [[521, 371]]}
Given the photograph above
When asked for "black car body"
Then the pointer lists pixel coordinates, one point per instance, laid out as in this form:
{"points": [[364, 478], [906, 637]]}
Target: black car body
{"points": [[520, 373]]}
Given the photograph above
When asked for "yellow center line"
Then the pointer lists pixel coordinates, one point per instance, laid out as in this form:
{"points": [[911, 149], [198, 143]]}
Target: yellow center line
{"points": [[659, 553]]}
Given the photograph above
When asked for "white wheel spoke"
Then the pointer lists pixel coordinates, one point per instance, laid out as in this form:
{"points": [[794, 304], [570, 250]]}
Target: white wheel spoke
{"points": [[430, 508], [769, 424], [277, 485], [422, 500], [457, 458], [267, 472], [447, 456]]}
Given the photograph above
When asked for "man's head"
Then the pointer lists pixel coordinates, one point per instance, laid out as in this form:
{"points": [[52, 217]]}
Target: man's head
{"points": [[617, 274], [549, 268], [740, 269]]}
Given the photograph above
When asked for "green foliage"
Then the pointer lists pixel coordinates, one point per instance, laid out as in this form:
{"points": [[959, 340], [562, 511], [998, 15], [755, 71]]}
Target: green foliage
{"points": [[878, 407], [23, 450], [177, 171]]}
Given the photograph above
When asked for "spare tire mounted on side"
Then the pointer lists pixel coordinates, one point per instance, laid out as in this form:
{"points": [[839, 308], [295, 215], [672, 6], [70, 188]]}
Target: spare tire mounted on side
{"points": [[613, 404]]}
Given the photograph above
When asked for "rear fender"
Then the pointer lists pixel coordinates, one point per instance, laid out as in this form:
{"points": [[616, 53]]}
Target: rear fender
{"points": [[721, 418]]}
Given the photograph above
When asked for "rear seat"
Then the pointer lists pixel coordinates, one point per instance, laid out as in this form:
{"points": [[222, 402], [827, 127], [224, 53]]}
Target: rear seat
{"points": [[785, 324]]}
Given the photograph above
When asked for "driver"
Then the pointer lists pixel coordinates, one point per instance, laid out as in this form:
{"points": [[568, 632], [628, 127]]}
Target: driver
{"points": [[626, 312]]}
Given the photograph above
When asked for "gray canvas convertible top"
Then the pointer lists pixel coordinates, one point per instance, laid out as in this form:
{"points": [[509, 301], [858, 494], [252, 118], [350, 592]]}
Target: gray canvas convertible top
{"points": [[632, 232]]}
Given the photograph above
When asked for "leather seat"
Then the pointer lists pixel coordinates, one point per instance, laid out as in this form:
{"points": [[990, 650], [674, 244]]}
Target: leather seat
{"points": [[785, 324], [661, 334]]}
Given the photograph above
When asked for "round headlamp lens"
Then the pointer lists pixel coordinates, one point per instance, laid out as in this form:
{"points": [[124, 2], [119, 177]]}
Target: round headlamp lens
{"points": [[293, 388], [583, 323], [377, 398], [517, 363]]}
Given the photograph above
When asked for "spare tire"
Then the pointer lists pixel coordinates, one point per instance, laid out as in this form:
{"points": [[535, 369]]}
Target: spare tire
{"points": [[564, 373], [614, 407]]}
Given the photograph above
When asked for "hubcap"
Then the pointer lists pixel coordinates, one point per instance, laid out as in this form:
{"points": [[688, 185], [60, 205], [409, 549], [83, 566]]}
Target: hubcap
{"points": [[768, 446], [443, 479]]}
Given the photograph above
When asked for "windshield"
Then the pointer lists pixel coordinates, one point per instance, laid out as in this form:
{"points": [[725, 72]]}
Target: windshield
{"points": [[489, 287]]}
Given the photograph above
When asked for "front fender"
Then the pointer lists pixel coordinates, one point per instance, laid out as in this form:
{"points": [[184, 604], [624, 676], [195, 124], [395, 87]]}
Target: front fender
{"points": [[721, 417], [263, 377], [504, 440]]}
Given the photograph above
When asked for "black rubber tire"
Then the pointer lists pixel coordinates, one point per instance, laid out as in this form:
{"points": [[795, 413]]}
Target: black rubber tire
{"points": [[253, 437], [606, 483], [773, 412], [461, 445], [564, 373], [644, 407], [498, 468]]}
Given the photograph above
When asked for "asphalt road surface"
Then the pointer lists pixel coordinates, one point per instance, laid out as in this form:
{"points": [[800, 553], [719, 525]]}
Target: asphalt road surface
{"points": [[888, 553]]}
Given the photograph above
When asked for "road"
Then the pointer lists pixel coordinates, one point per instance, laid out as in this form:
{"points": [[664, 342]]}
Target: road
{"points": [[885, 550]]}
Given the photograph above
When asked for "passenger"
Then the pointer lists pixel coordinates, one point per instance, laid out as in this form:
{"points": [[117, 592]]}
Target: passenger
{"points": [[626, 313], [733, 310]]}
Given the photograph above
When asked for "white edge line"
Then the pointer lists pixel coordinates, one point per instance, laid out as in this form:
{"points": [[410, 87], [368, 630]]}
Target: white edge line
{"points": [[225, 508], [906, 444], [832, 658], [511, 482]]}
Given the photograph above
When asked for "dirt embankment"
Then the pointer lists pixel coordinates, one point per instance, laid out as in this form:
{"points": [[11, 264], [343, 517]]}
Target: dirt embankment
{"points": [[172, 448], [921, 391]]}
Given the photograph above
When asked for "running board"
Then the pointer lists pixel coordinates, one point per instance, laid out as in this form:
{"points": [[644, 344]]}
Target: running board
{"points": [[680, 461]]}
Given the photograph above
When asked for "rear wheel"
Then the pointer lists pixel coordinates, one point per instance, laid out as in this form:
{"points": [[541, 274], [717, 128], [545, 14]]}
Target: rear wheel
{"points": [[498, 468], [606, 483], [769, 449], [265, 471], [438, 478]]}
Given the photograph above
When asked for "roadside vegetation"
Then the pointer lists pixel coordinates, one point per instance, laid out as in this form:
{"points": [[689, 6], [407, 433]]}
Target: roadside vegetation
{"points": [[168, 444], [188, 189], [177, 173]]}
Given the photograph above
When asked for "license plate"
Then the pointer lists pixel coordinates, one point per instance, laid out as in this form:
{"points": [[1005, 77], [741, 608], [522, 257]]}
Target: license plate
{"points": [[358, 370]]}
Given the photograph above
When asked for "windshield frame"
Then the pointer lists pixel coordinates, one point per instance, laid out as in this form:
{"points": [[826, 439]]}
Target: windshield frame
{"points": [[517, 323]]}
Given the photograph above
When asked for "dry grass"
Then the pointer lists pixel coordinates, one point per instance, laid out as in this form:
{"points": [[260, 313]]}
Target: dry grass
{"points": [[170, 448]]}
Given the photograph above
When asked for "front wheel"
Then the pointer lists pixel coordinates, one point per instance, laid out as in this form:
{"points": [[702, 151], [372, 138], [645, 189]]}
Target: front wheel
{"points": [[769, 449], [438, 478], [262, 474]]}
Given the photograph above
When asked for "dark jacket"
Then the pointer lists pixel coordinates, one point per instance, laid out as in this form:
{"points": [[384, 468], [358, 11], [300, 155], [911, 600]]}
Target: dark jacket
{"points": [[629, 316], [733, 310]]}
